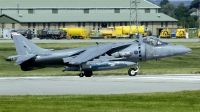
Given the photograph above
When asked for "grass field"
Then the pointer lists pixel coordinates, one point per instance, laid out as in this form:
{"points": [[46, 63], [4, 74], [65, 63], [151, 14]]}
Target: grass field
{"points": [[184, 64], [185, 101]]}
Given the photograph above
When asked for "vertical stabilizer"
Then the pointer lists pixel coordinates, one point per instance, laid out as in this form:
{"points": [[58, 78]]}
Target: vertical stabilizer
{"points": [[24, 46]]}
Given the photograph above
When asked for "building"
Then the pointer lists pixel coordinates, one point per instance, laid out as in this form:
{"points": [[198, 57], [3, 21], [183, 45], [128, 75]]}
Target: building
{"points": [[91, 14]]}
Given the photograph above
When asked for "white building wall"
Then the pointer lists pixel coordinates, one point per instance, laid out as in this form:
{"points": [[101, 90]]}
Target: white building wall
{"points": [[153, 11], [9, 11], [124, 11], [43, 11], [101, 11], [22, 12], [69, 11], [72, 11]]}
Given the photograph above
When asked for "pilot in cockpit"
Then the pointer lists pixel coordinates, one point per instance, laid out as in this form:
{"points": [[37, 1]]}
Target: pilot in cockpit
{"points": [[154, 41]]}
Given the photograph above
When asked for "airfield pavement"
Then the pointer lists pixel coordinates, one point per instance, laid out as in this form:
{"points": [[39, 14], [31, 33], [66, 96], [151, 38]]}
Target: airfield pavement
{"points": [[59, 85]]}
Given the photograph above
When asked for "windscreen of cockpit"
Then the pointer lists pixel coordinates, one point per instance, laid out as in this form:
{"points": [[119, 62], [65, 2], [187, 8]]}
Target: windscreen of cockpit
{"points": [[154, 41]]}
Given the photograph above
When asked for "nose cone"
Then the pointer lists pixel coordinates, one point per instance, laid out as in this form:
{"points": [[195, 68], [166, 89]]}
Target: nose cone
{"points": [[180, 49]]}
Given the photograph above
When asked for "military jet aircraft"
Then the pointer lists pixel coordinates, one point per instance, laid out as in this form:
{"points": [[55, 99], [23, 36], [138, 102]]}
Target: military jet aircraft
{"points": [[95, 57]]}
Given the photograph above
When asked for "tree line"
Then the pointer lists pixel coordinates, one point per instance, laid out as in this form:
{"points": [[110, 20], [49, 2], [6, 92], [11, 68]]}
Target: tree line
{"points": [[182, 13]]}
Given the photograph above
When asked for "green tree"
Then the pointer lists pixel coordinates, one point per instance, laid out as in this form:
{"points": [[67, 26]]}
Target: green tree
{"points": [[190, 22], [182, 13], [195, 4], [164, 2], [168, 9]]}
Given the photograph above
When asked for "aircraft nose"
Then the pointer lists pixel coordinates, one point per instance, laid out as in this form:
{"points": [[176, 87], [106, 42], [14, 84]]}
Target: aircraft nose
{"points": [[180, 49]]}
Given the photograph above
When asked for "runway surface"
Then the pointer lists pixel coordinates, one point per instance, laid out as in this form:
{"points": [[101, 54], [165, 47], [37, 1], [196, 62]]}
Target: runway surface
{"points": [[97, 84], [36, 40]]}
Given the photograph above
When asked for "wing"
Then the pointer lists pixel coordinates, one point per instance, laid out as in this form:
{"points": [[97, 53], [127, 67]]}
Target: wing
{"points": [[94, 52]]}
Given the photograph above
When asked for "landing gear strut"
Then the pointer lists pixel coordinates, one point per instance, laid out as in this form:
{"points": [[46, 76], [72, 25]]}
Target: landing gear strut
{"points": [[86, 73], [81, 74], [133, 71]]}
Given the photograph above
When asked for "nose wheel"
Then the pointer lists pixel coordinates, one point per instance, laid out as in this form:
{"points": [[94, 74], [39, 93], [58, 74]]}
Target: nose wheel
{"points": [[133, 71]]}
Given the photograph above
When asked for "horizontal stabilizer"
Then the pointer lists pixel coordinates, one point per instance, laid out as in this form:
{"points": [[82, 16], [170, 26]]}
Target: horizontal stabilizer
{"points": [[10, 58], [24, 58]]}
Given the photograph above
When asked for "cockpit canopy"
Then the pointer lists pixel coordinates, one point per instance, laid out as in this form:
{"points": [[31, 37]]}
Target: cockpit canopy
{"points": [[154, 41]]}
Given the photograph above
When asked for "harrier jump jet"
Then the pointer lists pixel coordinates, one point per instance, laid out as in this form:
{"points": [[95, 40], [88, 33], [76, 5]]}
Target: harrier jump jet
{"points": [[96, 57]]}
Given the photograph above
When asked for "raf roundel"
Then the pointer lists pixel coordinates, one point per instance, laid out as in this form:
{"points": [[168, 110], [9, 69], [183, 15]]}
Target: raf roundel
{"points": [[135, 52]]}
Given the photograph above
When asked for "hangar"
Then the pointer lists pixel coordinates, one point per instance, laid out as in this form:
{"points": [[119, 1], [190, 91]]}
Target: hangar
{"points": [[91, 14]]}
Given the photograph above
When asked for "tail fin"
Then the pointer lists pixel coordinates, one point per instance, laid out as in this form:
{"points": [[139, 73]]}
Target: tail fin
{"points": [[24, 46]]}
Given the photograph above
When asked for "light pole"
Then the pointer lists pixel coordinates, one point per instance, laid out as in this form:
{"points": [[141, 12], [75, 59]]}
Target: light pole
{"points": [[134, 12]]}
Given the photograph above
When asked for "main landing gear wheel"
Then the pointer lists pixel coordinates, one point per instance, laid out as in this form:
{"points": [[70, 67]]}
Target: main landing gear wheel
{"points": [[132, 72], [88, 73]]}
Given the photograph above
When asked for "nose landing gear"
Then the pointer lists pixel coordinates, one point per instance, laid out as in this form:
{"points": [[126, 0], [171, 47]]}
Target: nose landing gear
{"points": [[133, 71]]}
